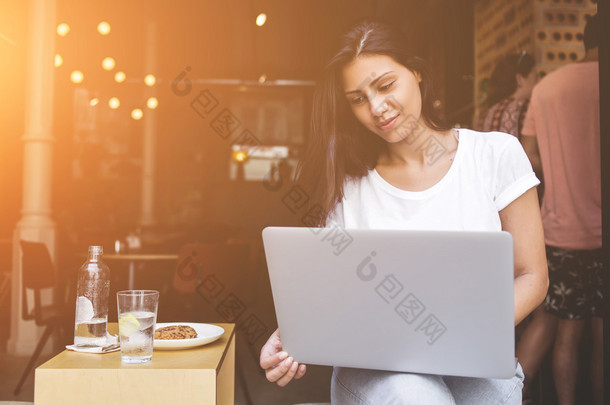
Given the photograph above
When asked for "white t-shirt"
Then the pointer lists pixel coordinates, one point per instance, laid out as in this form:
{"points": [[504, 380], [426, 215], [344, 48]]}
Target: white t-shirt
{"points": [[490, 170]]}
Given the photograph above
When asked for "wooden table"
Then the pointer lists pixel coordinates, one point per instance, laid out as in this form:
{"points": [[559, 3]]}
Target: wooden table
{"points": [[132, 258], [203, 375]]}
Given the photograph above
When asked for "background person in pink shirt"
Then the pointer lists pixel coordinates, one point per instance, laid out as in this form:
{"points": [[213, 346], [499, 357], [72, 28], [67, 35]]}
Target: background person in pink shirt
{"points": [[562, 137]]}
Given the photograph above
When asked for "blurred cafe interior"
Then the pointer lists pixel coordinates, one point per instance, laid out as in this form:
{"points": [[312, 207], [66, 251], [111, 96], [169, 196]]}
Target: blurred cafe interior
{"points": [[157, 129]]}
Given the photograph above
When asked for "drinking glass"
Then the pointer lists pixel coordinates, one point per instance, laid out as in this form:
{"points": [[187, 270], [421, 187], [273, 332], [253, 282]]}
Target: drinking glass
{"points": [[137, 318]]}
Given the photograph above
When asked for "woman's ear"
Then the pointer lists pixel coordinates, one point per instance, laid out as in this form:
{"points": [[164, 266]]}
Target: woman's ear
{"points": [[417, 76]]}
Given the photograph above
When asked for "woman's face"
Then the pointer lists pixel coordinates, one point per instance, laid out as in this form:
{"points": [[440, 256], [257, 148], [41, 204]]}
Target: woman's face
{"points": [[383, 95]]}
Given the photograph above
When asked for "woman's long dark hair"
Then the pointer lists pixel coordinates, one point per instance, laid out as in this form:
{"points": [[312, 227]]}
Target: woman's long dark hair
{"points": [[340, 148]]}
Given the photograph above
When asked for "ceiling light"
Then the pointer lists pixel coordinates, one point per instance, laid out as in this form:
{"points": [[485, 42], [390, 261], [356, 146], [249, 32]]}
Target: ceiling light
{"points": [[261, 19], [77, 76], [152, 103], [114, 103], [136, 114], [150, 80], [108, 63], [103, 28], [63, 29], [119, 77]]}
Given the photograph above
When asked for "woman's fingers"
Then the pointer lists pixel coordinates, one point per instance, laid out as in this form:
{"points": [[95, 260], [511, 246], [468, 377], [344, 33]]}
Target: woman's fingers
{"points": [[269, 360], [276, 373], [286, 378], [279, 368], [285, 371], [300, 372]]}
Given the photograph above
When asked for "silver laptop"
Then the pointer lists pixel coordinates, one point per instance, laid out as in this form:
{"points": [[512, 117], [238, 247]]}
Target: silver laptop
{"points": [[436, 302]]}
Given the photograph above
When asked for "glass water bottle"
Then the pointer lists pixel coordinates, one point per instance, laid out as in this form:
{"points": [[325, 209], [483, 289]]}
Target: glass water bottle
{"points": [[92, 290]]}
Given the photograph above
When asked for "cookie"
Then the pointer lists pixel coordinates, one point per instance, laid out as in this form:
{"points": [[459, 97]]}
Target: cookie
{"points": [[176, 332]]}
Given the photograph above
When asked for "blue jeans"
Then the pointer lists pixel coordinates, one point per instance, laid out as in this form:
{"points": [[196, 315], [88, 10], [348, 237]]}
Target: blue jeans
{"points": [[374, 387]]}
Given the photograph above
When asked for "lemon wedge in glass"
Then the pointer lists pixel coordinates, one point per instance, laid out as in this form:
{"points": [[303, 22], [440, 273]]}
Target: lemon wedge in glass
{"points": [[128, 324]]}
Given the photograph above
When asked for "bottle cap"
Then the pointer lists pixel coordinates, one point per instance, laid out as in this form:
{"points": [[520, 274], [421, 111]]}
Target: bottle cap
{"points": [[96, 250]]}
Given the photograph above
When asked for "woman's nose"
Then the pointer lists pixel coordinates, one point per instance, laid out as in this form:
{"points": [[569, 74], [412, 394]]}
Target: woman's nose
{"points": [[378, 106]]}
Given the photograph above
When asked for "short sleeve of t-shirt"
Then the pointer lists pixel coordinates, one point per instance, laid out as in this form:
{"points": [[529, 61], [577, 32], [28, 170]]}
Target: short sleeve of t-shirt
{"points": [[513, 173]]}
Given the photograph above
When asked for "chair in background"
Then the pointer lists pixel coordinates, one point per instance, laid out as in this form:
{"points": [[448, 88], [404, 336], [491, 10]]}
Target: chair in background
{"points": [[38, 272]]}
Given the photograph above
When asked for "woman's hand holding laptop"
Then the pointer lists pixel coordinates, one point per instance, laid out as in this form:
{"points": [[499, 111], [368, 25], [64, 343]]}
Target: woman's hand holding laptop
{"points": [[279, 367]]}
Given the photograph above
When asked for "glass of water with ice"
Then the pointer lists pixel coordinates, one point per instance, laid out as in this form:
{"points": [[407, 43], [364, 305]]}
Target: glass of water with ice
{"points": [[137, 317]]}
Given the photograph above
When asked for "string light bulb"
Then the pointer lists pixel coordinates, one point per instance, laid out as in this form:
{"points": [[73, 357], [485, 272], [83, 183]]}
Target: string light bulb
{"points": [[108, 63], [150, 80], [114, 103], [103, 28], [136, 114], [58, 60], [94, 101], [77, 76], [261, 19], [119, 77], [152, 103], [63, 29]]}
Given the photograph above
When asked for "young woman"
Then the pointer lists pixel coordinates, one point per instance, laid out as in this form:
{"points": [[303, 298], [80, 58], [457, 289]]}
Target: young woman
{"points": [[379, 157], [511, 86]]}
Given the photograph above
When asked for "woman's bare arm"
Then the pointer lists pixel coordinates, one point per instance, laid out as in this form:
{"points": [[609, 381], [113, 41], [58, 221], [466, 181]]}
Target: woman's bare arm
{"points": [[522, 220]]}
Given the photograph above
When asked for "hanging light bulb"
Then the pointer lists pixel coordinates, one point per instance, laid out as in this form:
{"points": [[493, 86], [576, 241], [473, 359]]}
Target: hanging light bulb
{"points": [[150, 80], [136, 114], [152, 103], [63, 29], [261, 19], [108, 63], [119, 77], [114, 103], [58, 60], [103, 28], [77, 76]]}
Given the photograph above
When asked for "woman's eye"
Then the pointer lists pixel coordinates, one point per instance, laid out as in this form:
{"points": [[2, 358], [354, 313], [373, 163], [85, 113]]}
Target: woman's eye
{"points": [[386, 86], [358, 100]]}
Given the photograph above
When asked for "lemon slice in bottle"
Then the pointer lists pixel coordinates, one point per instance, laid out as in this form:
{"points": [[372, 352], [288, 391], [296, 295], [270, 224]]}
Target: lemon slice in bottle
{"points": [[128, 324], [84, 309]]}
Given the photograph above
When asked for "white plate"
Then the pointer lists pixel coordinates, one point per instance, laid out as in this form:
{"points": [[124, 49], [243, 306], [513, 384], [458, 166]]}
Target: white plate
{"points": [[206, 333]]}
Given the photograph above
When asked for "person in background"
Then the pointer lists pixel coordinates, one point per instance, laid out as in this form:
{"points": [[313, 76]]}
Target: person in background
{"points": [[510, 89], [562, 137], [367, 168], [511, 85]]}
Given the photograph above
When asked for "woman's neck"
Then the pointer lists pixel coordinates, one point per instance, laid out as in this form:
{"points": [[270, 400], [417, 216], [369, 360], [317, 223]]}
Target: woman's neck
{"points": [[521, 94], [422, 151]]}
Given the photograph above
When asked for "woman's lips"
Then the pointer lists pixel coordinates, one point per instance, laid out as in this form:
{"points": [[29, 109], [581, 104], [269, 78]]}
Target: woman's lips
{"points": [[387, 124]]}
